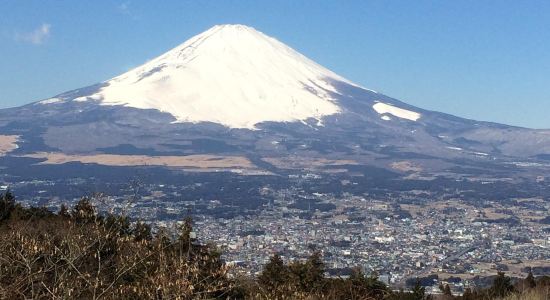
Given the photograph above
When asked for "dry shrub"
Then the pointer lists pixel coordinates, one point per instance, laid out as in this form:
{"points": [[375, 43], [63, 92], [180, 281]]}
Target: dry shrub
{"points": [[542, 293], [83, 256]]}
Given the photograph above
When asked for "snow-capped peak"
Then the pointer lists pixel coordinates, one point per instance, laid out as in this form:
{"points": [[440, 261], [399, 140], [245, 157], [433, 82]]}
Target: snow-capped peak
{"points": [[230, 74]]}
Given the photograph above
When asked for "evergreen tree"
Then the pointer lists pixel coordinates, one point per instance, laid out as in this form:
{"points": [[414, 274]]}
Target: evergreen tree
{"points": [[468, 294], [185, 237], [447, 290], [64, 211], [502, 286], [375, 287], [315, 272], [369, 286], [308, 276], [84, 211], [119, 224], [142, 232], [274, 275], [357, 276], [418, 291], [162, 239], [543, 281], [530, 280], [7, 205]]}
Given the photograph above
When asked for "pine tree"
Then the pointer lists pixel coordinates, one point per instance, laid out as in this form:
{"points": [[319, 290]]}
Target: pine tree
{"points": [[502, 286], [84, 211], [375, 287], [315, 272], [185, 237], [357, 275], [468, 294], [142, 232], [447, 290], [530, 280], [274, 275], [118, 224], [418, 291], [64, 211], [7, 205]]}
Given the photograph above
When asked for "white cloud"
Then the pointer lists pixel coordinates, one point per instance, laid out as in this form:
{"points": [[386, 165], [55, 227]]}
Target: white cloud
{"points": [[35, 37], [124, 8]]}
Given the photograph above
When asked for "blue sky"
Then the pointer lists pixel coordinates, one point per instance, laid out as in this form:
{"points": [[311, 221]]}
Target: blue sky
{"points": [[486, 60]]}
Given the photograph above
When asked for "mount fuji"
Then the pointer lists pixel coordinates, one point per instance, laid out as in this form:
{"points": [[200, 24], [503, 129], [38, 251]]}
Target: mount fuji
{"points": [[233, 98], [232, 75]]}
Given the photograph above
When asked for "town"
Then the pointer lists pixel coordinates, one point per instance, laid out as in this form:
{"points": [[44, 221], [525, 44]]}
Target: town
{"points": [[406, 235]]}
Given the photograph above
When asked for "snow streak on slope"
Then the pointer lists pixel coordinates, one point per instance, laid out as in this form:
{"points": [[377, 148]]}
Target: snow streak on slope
{"points": [[230, 74], [50, 101], [383, 108]]}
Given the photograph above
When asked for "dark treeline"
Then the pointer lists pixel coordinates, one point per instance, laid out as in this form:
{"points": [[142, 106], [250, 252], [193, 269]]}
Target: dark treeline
{"points": [[77, 253]]}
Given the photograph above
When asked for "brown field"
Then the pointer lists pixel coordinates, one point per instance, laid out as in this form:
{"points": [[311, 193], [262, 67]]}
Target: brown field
{"points": [[8, 143], [188, 161]]}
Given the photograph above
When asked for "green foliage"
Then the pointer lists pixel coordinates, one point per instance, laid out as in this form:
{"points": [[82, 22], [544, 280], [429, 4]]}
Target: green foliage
{"points": [[308, 275], [84, 211], [313, 273], [7, 205], [184, 237], [306, 280], [543, 281], [530, 281], [468, 294], [445, 289], [64, 211], [142, 232], [502, 286], [274, 276], [418, 291], [360, 285]]}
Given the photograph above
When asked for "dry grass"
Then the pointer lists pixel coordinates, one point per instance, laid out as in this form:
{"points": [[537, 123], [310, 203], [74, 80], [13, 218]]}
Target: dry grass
{"points": [[534, 294], [8, 143], [187, 161]]}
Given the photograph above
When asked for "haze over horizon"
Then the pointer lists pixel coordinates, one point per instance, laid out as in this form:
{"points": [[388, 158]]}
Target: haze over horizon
{"points": [[481, 61]]}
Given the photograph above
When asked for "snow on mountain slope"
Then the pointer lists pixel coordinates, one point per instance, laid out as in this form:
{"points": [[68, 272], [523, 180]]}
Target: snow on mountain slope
{"points": [[50, 101], [383, 108], [232, 75]]}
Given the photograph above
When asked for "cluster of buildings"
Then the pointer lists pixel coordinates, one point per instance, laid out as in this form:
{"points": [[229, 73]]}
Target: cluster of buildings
{"points": [[397, 241], [402, 236]]}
